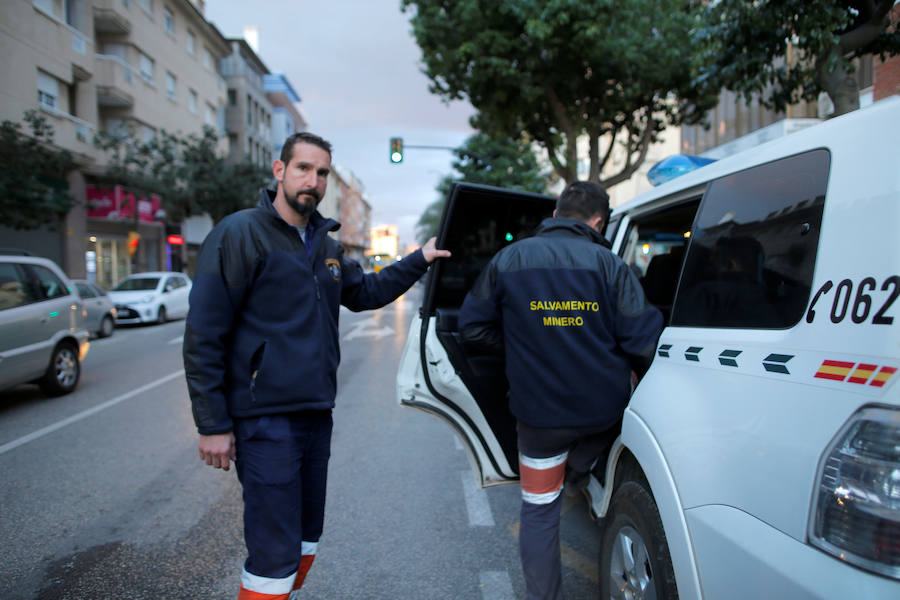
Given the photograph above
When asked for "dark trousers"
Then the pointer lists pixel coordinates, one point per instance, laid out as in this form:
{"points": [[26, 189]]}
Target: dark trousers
{"points": [[544, 456], [282, 464]]}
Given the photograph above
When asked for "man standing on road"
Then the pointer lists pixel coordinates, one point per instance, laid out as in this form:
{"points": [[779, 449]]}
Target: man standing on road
{"points": [[261, 352], [573, 321]]}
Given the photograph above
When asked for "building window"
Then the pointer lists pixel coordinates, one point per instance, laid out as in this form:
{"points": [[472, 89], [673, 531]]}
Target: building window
{"points": [[170, 85], [147, 134], [753, 246], [207, 59], [47, 6], [232, 97], [192, 101], [146, 67], [210, 116], [147, 5], [48, 91], [169, 21], [191, 42]]}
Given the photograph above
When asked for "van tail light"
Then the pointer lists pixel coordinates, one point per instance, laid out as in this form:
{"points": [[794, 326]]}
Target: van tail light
{"points": [[856, 507]]}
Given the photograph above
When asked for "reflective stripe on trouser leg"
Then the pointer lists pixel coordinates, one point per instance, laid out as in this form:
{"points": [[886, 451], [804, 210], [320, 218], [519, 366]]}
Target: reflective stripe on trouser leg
{"points": [[307, 557], [542, 482]]}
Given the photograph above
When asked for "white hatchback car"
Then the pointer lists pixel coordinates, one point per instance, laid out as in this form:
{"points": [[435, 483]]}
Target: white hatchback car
{"points": [[154, 296], [759, 457]]}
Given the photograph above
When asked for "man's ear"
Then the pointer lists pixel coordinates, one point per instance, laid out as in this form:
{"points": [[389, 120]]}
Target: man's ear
{"points": [[596, 223], [278, 169], [554, 212]]}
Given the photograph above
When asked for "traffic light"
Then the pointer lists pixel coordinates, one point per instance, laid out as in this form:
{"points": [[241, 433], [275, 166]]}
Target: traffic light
{"points": [[134, 238], [396, 150]]}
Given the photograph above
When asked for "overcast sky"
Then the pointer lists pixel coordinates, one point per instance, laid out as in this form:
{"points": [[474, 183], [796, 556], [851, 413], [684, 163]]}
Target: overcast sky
{"points": [[355, 65]]}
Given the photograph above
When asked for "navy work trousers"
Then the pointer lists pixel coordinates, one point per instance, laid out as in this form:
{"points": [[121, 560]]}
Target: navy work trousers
{"points": [[282, 464]]}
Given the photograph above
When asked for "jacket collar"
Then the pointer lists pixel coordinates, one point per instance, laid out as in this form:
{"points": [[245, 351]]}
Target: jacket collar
{"points": [[561, 226], [316, 221]]}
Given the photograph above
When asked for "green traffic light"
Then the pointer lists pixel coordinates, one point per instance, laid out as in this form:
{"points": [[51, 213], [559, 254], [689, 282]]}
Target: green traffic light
{"points": [[509, 237], [396, 157]]}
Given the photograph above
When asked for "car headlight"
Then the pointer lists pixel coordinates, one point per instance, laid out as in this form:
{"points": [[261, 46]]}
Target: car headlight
{"points": [[147, 298], [856, 507]]}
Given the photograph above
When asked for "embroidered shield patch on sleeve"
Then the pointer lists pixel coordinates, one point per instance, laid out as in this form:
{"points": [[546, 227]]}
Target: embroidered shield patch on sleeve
{"points": [[334, 267]]}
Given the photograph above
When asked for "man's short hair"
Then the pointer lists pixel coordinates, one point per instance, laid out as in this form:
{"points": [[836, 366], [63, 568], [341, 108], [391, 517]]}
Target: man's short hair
{"points": [[583, 200], [305, 137]]}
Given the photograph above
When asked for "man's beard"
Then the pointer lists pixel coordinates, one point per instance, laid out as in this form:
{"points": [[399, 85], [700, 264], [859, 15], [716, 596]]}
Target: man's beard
{"points": [[307, 208]]}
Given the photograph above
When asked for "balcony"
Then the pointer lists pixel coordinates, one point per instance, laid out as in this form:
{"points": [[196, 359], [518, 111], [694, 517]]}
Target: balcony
{"points": [[73, 134], [111, 18], [64, 42], [115, 81]]}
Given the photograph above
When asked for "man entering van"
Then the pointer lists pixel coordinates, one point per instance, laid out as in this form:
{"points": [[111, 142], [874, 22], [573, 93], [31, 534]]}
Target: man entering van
{"points": [[573, 322]]}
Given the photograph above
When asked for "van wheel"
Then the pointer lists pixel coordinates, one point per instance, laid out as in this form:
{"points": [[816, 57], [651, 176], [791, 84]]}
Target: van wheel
{"points": [[106, 327], [161, 316], [62, 372], [634, 556]]}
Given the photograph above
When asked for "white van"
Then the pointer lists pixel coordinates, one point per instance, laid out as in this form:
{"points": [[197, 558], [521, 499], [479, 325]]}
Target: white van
{"points": [[760, 455]]}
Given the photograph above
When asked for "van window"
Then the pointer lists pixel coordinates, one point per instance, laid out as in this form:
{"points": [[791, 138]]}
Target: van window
{"points": [[654, 248], [753, 247], [481, 223]]}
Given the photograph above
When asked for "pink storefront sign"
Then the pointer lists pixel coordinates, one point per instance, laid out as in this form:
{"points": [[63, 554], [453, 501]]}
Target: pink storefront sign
{"points": [[118, 203]]}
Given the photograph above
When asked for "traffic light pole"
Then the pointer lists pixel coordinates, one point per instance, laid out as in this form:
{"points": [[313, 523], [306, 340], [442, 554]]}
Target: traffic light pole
{"points": [[397, 148]]}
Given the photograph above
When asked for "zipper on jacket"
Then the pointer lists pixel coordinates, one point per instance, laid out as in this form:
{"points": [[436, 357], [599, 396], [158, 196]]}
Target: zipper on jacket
{"points": [[316, 280]]}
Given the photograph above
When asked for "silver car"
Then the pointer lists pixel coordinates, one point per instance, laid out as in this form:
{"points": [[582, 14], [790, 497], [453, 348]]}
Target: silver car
{"points": [[42, 334], [101, 314]]}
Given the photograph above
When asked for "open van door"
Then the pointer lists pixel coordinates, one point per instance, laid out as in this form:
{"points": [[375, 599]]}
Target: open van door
{"points": [[437, 374]]}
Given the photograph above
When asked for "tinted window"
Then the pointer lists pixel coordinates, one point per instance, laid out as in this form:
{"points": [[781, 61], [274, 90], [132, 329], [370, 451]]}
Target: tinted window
{"points": [[137, 284], [12, 290], [50, 285], [98, 290], [84, 290], [481, 222], [753, 247]]}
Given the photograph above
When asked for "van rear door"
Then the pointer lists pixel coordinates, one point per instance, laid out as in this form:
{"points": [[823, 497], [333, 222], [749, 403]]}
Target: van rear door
{"points": [[437, 374]]}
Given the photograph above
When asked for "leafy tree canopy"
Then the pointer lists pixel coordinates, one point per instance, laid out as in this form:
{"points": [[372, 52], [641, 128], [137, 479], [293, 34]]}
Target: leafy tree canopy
{"points": [[33, 189], [612, 70], [497, 161], [186, 171], [787, 50]]}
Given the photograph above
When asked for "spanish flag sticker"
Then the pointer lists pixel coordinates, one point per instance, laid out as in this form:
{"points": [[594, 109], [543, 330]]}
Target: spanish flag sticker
{"points": [[883, 375], [835, 370]]}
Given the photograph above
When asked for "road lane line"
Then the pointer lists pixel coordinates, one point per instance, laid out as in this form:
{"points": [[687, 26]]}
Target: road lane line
{"points": [[496, 585], [177, 340], [86, 413], [477, 504]]}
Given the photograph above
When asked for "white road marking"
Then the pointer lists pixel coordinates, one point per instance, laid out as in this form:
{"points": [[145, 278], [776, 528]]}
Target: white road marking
{"points": [[177, 340], [87, 413], [496, 585], [366, 329], [477, 504]]}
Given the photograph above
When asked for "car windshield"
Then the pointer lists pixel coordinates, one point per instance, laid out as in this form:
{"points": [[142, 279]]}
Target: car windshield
{"points": [[137, 284]]}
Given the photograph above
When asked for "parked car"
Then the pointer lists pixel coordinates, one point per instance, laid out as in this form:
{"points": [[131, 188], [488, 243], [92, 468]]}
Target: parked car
{"points": [[759, 455], [100, 317], [42, 334], [154, 296]]}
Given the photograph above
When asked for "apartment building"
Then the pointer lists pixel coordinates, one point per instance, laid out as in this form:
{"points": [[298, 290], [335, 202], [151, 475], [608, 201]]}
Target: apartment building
{"points": [[286, 118], [115, 66], [249, 113]]}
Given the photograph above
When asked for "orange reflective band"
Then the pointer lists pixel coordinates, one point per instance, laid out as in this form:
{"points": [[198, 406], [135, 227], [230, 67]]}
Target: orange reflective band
{"points": [[542, 481], [306, 562], [245, 594]]}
